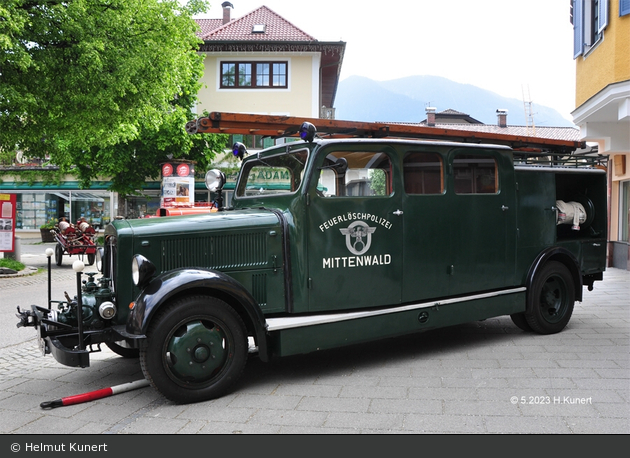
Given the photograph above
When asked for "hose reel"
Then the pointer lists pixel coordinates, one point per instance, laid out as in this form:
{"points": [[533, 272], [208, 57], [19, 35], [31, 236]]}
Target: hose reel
{"points": [[572, 213]]}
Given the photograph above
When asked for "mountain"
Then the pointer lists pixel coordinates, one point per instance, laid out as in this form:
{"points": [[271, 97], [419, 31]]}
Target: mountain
{"points": [[405, 99]]}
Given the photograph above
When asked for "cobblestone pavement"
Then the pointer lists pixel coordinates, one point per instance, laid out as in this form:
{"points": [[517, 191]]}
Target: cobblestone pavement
{"points": [[483, 377]]}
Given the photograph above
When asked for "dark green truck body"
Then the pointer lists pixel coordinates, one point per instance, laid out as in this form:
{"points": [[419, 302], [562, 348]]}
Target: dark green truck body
{"points": [[339, 242]]}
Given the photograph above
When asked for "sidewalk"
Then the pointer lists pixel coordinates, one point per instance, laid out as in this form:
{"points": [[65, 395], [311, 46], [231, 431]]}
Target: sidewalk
{"points": [[483, 377]]}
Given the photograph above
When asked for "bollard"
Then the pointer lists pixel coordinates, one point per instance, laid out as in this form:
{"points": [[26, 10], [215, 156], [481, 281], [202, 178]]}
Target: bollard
{"points": [[16, 254]]}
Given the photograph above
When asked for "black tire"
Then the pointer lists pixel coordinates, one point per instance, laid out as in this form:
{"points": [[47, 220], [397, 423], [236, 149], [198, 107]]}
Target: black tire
{"points": [[122, 349], [520, 321], [58, 254], [90, 259], [196, 349], [551, 299]]}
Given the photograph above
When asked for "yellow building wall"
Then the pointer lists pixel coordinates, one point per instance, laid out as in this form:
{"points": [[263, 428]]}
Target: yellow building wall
{"points": [[608, 62], [300, 99]]}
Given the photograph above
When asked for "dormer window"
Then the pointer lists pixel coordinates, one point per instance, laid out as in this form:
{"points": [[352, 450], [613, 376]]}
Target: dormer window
{"points": [[259, 28]]}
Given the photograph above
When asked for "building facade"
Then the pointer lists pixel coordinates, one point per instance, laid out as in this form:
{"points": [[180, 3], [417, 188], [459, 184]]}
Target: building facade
{"points": [[602, 57], [258, 63]]}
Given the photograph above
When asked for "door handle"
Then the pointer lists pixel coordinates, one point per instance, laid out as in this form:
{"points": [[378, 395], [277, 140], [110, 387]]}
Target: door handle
{"points": [[398, 213], [504, 208]]}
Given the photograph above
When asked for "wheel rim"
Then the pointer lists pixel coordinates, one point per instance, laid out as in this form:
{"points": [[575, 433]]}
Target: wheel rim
{"points": [[196, 352], [554, 299]]}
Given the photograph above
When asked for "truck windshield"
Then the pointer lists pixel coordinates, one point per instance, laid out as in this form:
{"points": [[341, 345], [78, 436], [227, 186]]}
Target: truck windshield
{"points": [[278, 174]]}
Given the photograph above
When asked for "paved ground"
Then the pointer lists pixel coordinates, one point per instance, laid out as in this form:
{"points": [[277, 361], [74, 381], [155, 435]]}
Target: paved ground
{"points": [[486, 377]]}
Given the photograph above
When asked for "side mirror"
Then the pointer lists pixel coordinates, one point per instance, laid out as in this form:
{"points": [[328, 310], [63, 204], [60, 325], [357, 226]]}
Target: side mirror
{"points": [[340, 166]]}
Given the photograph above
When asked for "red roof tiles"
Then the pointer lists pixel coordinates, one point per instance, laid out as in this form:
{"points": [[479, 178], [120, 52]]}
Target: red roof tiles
{"points": [[276, 28]]}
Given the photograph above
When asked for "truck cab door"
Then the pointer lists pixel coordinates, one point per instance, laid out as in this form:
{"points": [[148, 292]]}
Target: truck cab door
{"points": [[482, 202], [354, 228]]}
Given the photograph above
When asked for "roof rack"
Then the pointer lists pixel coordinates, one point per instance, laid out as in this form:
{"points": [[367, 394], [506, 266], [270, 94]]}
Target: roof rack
{"points": [[287, 126]]}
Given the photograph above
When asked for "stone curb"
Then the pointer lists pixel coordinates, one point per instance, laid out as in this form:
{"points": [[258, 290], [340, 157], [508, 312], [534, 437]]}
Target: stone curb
{"points": [[28, 270]]}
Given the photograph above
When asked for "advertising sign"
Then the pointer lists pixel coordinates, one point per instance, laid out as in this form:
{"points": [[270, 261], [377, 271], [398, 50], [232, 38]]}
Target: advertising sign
{"points": [[178, 184], [7, 222]]}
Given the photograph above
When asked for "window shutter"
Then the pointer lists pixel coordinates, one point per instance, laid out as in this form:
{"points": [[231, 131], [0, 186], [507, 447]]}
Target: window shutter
{"points": [[578, 28], [602, 20], [624, 7]]}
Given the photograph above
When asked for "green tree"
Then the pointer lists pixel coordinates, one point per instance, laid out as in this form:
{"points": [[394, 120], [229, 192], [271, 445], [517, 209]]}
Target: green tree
{"points": [[103, 85]]}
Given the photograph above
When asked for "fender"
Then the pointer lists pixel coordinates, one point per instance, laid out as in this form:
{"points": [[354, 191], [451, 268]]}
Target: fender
{"points": [[560, 254], [178, 281]]}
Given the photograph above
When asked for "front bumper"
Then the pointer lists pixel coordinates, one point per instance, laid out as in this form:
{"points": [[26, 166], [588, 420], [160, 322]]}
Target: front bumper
{"points": [[69, 345]]}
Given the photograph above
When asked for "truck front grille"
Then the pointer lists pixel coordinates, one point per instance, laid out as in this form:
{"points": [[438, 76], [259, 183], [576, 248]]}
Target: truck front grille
{"points": [[220, 252]]}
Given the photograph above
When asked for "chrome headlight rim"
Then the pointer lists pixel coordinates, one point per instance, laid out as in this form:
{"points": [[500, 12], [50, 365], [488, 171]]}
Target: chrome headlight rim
{"points": [[142, 270], [215, 180], [100, 254]]}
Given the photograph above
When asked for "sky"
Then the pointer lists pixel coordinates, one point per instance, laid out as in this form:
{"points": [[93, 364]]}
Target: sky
{"points": [[518, 49]]}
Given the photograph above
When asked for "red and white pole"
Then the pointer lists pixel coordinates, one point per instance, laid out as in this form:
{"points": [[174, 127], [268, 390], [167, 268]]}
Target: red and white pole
{"points": [[93, 395]]}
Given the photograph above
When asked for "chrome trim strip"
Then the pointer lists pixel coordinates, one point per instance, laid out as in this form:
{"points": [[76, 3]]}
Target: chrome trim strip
{"points": [[278, 324]]}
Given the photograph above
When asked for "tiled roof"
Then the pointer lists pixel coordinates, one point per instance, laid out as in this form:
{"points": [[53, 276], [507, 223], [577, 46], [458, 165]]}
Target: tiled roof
{"points": [[208, 25], [555, 133], [276, 28]]}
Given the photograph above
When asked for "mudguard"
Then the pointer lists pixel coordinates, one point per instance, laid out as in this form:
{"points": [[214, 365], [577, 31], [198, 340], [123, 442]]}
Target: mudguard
{"points": [[178, 281], [559, 254]]}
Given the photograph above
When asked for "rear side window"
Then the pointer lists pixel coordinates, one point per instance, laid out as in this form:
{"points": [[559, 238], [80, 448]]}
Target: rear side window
{"points": [[475, 174], [423, 173]]}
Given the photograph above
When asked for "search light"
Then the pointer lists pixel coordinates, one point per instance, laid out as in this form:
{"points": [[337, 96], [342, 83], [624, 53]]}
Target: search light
{"points": [[307, 132], [239, 150]]}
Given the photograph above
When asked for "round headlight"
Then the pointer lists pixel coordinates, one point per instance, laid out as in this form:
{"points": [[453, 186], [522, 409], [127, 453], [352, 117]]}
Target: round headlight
{"points": [[99, 259], [215, 180], [141, 270]]}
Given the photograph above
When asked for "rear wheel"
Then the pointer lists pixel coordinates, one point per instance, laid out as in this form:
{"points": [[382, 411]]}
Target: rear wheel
{"points": [[551, 299], [520, 320], [196, 349]]}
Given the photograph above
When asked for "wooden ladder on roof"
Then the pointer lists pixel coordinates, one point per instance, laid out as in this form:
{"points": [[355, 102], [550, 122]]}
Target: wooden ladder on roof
{"points": [[287, 126]]}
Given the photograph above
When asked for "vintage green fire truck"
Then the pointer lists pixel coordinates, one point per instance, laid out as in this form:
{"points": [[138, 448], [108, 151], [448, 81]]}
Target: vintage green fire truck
{"points": [[353, 232]]}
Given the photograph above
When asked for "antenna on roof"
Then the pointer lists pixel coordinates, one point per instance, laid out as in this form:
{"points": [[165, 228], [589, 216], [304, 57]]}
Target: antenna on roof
{"points": [[529, 114]]}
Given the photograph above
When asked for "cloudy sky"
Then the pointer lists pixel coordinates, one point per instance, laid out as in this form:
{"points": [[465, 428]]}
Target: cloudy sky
{"points": [[517, 49]]}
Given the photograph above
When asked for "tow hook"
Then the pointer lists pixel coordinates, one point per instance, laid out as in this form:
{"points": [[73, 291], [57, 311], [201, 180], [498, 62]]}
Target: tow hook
{"points": [[27, 318]]}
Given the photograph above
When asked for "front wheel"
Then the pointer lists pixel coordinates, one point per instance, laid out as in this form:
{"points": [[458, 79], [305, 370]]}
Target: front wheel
{"points": [[551, 299], [196, 349], [123, 349]]}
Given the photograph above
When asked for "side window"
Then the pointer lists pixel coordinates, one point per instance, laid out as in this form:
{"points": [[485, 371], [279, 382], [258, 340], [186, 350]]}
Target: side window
{"points": [[424, 173], [475, 175], [356, 174]]}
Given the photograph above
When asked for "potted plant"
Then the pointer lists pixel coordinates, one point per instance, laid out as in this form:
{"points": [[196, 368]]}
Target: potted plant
{"points": [[45, 228]]}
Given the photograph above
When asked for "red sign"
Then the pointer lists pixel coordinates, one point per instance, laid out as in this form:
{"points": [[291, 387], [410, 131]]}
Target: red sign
{"points": [[167, 170], [183, 170], [7, 222]]}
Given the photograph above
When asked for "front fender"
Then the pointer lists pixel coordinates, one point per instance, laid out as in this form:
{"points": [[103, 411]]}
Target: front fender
{"points": [[180, 281]]}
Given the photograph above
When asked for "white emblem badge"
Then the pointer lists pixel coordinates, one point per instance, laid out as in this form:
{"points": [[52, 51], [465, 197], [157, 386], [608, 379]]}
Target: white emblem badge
{"points": [[358, 237]]}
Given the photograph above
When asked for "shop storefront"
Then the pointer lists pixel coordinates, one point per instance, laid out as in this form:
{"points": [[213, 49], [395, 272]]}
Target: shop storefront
{"points": [[37, 204]]}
